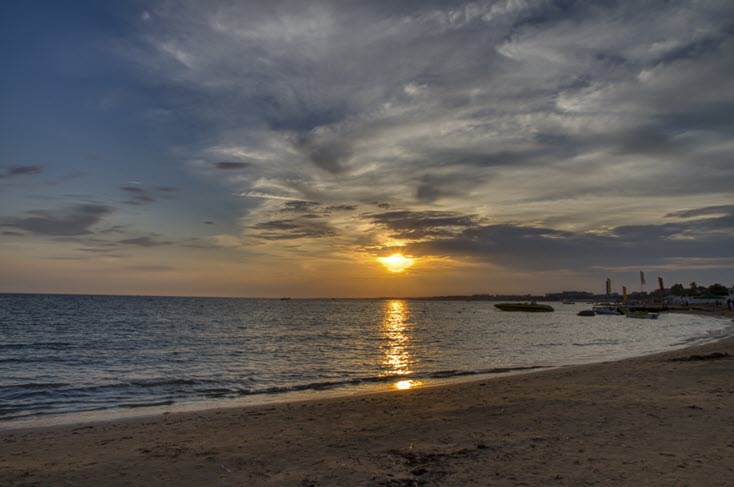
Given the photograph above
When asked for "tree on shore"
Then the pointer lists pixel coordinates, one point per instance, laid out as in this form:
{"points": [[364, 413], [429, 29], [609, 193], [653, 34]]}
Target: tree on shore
{"points": [[718, 290], [677, 290], [694, 290]]}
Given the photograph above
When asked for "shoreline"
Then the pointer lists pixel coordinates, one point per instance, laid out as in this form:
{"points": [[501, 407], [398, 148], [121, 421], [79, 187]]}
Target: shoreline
{"points": [[152, 411], [645, 420]]}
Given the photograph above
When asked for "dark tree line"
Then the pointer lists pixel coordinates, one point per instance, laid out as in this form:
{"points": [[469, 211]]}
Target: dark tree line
{"points": [[694, 290]]}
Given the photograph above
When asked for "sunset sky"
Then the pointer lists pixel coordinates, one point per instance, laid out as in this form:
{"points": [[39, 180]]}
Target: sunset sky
{"points": [[280, 148]]}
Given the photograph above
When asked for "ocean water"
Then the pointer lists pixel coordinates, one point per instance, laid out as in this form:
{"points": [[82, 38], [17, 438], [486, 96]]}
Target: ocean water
{"points": [[101, 356]]}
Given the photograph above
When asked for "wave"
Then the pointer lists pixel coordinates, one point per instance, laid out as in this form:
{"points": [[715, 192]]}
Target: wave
{"points": [[441, 374], [165, 382], [35, 385], [61, 402], [146, 404], [36, 346]]}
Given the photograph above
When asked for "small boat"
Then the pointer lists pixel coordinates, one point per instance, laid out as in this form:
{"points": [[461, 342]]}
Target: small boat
{"points": [[642, 315], [528, 307], [606, 310], [586, 312], [285, 299]]}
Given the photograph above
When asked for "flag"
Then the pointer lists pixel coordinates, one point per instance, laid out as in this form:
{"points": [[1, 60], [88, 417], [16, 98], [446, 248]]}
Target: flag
{"points": [[642, 278], [624, 293], [660, 284], [609, 286]]}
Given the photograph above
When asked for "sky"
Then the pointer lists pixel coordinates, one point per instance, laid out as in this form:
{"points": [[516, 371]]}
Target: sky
{"points": [[268, 149]]}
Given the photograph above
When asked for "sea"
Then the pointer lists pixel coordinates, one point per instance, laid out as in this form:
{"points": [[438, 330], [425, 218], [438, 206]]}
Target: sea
{"points": [[72, 358]]}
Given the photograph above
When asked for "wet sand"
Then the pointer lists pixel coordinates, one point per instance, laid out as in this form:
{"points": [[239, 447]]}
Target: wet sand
{"points": [[665, 419]]}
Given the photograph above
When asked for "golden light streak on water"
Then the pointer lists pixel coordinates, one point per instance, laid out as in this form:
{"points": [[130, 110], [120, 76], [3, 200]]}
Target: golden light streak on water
{"points": [[397, 334]]}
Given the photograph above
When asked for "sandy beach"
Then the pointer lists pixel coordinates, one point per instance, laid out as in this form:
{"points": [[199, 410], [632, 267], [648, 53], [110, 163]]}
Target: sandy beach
{"points": [[665, 419]]}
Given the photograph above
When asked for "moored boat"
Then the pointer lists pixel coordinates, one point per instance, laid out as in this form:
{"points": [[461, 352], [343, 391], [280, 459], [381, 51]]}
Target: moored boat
{"points": [[586, 312], [642, 315], [528, 307], [606, 310]]}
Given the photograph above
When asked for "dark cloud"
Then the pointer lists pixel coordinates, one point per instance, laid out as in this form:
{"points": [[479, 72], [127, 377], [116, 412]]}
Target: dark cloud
{"points": [[532, 248], [487, 158], [300, 206], [645, 140], [697, 48], [427, 193], [698, 212], [314, 209], [290, 229], [331, 156], [143, 242], [432, 187], [208, 222], [113, 229], [198, 243], [139, 196], [166, 189], [341, 208], [420, 224], [277, 225], [231, 166], [76, 220], [20, 171]]}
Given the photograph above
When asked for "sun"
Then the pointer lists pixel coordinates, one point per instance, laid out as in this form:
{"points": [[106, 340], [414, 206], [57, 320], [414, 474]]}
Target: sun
{"points": [[396, 262]]}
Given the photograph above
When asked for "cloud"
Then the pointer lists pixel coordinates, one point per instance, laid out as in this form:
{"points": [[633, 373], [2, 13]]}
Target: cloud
{"points": [[231, 166], [20, 171], [341, 208], [529, 248], [300, 206], [143, 242], [96, 250], [306, 226], [698, 212], [76, 220], [537, 99], [138, 195], [420, 224], [477, 129], [329, 155], [257, 194]]}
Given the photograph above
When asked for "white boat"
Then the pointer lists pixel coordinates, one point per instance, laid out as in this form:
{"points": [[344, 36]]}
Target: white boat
{"points": [[606, 310]]}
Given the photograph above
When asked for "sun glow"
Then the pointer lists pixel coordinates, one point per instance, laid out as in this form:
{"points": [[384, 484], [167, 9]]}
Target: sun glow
{"points": [[396, 262], [407, 384]]}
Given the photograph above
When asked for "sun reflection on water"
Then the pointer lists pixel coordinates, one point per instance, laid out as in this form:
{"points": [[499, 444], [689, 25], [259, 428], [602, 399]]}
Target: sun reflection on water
{"points": [[397, 334], [407, 384]]}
